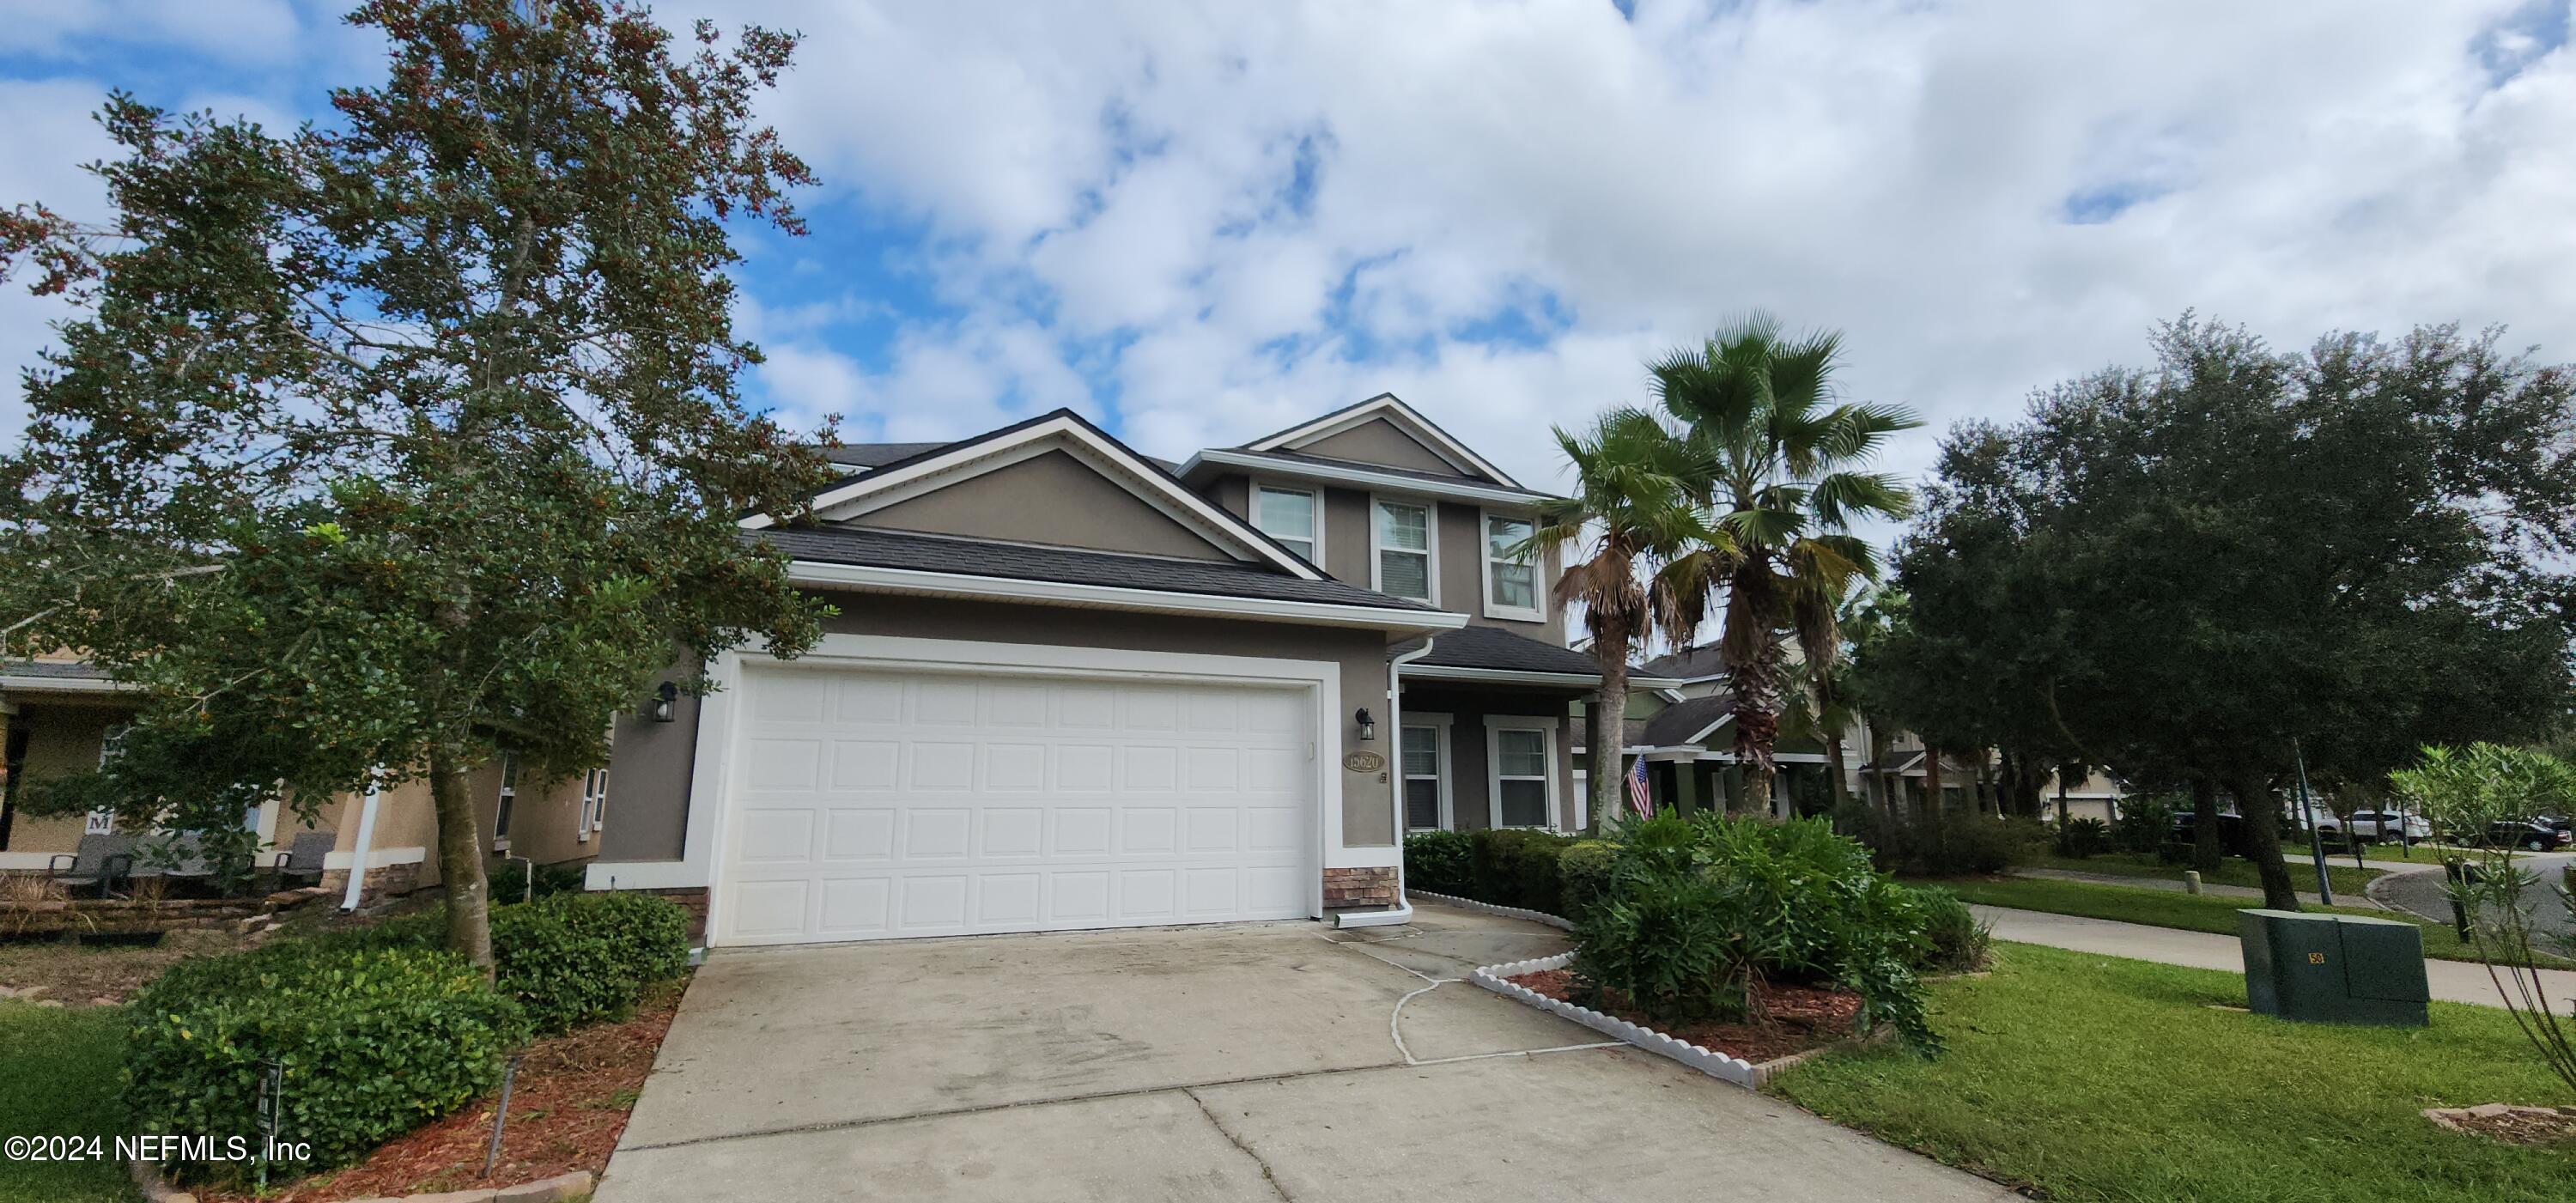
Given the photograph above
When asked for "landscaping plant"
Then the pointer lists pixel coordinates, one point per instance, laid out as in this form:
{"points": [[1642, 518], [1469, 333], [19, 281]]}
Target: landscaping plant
{"points": [[1955, 940], [1442, 862], [2145, 823], [381, 443], [2466, 790], [2083, 837]]}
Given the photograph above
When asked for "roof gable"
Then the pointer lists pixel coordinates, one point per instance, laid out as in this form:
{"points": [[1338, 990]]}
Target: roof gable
{"points": [[1051, 498], [1060, 432], [1384, 430]]}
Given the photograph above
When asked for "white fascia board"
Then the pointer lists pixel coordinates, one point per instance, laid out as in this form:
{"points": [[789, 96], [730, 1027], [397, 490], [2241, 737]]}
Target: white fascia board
{"points": [[1334, 423], [1498, 676], [1166, 493], [950, 584], [64, 685], [1362, 478]]}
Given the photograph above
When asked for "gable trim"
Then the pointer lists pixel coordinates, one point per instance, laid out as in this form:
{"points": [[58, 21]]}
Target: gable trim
{"points": [[969, 458], [1433, 439], [1359, 476], [921, 583]]}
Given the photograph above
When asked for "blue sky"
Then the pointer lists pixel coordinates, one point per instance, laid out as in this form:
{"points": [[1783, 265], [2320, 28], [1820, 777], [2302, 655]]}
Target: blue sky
{"points": [[1197, 224]]}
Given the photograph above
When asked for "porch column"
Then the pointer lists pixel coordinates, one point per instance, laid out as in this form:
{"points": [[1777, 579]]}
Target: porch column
{"points": [[1685, 788]]}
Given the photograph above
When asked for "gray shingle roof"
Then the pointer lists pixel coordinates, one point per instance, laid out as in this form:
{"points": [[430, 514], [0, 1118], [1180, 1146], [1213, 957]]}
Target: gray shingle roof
{"points": [[54, 670], [1292, 459], [1073, 566], [1677, 723], [1899, 761], [875, 455], [1683, 666], [1494, 647]]}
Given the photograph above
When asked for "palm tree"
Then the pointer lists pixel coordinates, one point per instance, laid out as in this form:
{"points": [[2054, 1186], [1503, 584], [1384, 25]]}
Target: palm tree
{"points": [[1786, 488], [1637, 508]]}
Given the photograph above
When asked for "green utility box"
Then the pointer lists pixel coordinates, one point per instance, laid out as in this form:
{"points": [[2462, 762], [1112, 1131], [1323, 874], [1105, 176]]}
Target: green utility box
{"points": [[2335, 968]]}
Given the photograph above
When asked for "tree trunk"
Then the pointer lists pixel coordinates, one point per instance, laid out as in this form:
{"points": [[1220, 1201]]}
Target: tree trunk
{"points": [[2263, 837], [460, 864], [1834, 769], [1757, 687], [2061, 797], [1608, 737], [1933, 802], [2207, 848]]}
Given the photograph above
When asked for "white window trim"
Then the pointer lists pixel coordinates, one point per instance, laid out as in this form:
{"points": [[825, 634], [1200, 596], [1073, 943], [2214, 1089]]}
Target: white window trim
{"points": [[1495, 725], [1430, 540], [508, 804], [1448, 813], [1252, 502], [1485, 556], [594, 805]]}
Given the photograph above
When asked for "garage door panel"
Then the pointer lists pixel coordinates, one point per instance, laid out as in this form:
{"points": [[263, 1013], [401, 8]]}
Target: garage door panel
{"points": [[870, 805]]}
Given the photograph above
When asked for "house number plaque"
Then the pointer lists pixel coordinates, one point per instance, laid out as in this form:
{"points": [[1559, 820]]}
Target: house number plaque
{"points": [[1364, 762]]}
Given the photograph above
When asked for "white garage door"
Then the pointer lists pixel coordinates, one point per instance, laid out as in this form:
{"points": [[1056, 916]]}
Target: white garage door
{"points": [[871, 804]]}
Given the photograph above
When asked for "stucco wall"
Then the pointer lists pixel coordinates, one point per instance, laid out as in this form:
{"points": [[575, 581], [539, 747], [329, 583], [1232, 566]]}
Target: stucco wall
{"points": [[1461, 536], [1378, 442], [61, 739], [649, 783]]}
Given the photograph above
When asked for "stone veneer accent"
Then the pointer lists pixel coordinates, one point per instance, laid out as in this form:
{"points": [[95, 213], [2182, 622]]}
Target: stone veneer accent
{"points": [[1346, 889], [383, 881]]}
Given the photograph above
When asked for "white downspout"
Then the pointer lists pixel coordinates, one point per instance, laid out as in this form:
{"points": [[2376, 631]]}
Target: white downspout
{"points": [[1403, 911], [366, 843]]}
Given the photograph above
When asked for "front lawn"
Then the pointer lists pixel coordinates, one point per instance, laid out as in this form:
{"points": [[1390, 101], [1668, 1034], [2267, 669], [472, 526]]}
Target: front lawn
{"points": [[2233, 871], [58, 1078], [2100, 1078], [2162, 908]]}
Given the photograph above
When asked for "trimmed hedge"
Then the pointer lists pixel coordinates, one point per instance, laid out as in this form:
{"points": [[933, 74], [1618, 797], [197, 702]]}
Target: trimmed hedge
{"points": [[1508, 867], [1441, 862], [374, 1042]]}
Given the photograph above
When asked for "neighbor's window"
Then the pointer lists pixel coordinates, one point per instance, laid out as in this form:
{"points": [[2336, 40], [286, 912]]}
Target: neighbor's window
{"points": [[594, 803], [1521, 786], [1421, 778], [509, 796], [1289, 516], [1511, 579], [1404, 550]]}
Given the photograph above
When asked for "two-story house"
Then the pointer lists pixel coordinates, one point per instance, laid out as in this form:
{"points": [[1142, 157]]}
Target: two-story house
{"points": [[1070, 686]]}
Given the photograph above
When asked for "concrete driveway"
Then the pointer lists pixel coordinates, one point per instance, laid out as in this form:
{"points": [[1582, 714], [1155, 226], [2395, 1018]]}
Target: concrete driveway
{"points": [[1257, 1062]]}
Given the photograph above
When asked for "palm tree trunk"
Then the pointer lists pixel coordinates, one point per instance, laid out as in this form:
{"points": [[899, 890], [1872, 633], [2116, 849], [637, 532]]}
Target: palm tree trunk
{"points": [[1607, 718], [1834, 768], [1757, 686], [460, 864], [2253, 791]]}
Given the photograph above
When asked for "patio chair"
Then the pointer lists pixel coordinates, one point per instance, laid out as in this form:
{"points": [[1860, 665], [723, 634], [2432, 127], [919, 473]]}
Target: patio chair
{"points": [[180, 857], [303, 859], [100, 860]]}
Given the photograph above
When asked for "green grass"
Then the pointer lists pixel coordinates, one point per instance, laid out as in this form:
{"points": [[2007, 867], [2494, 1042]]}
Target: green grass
{"points": [[58, 1077], [2163, 908], [2096, 1078], [2231, 871]]}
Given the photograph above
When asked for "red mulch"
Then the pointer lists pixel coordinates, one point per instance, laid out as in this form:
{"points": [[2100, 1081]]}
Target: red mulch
{"points": [[567, 1108], [1800, 1017]]}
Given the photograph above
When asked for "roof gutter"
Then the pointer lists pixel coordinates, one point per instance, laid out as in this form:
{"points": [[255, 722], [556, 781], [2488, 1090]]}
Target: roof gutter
{"points": [[1112, 597], [1514, 676], [64, 685], [1362, 477], [1403, 911]]}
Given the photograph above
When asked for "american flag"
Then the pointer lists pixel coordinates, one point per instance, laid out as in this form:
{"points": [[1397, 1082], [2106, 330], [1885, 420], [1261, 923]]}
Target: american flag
{"points": [[1637, 791]]}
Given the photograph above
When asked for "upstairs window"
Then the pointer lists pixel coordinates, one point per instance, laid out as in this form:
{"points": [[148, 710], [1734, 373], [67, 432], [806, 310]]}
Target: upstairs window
{"points": [[1291, 517], [594, 803], [1404, 560], [1511, 574]]}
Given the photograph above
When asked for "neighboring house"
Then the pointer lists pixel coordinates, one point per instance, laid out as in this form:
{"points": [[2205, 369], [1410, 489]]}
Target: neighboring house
{"points": [[59, 715], [1069, 686]]}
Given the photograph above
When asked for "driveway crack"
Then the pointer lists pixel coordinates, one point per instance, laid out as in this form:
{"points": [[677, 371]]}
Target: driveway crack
{"points": [[1238, 1142]]}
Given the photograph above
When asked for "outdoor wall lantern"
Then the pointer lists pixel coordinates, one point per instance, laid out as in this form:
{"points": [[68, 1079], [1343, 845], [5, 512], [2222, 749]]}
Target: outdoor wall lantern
{"points": [[666, 702], [1368, 725]]}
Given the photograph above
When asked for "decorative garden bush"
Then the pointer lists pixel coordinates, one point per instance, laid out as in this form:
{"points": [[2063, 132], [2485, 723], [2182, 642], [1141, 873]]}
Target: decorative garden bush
{"points": [[2083, 837], [1698, 910]]}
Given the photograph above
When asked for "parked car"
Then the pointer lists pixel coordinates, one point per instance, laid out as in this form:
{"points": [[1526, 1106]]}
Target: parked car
{"points": [[2534, 836], [2231, 831], [2373, 827]]}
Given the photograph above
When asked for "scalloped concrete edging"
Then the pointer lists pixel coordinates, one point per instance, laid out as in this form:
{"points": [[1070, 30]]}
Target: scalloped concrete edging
{"points": [[1508, 912], [1715, 1064]]}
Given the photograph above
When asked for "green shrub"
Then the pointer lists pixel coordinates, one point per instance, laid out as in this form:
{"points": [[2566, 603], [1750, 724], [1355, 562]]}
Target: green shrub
{"points": [[510, 880], [2080, 838], [1698, 907], [2145, 823], [1964, 845], [647, 936], [1955, 940], [1442, 862], [1678, 946], [373, 1041], [1583, 874], [560, 974], [1517, 867]]}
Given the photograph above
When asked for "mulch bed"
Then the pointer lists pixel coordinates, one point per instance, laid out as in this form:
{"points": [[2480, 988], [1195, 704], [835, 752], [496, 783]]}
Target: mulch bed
{"points": [[568, 1106], [2512, 1125], [1800, 1017]]}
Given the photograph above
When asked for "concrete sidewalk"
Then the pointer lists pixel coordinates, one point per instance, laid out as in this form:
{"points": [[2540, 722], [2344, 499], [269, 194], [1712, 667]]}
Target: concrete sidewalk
{"points": [[2170, 885], [2451, 981]]}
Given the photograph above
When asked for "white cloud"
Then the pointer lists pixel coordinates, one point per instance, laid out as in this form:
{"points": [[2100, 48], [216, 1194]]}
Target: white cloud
{"points": [[235, 31]]}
